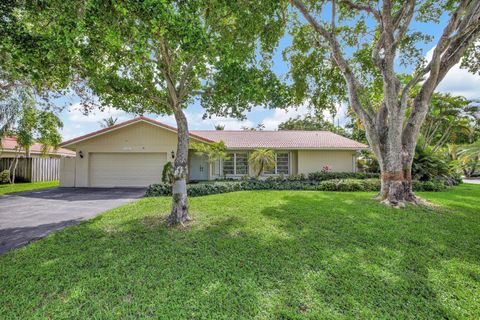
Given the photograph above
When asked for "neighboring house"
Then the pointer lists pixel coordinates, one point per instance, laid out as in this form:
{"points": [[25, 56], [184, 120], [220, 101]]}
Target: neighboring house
{"points": [[134, 152], [9, 150]]}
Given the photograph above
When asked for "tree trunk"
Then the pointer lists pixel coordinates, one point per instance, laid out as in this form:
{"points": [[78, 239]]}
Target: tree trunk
{"points": [[179, 212], [13, 168], [396, 187], [395, 149]]}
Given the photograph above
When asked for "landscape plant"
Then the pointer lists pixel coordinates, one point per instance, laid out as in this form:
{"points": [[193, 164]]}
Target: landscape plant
{"points": [[161, 56], [262, 160], [360, 44]]}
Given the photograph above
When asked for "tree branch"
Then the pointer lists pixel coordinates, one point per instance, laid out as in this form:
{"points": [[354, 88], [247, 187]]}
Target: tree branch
{"points": [[405, 14], [447, 53], [166, 70], [342, 64], [362, 7], [183, 81]]}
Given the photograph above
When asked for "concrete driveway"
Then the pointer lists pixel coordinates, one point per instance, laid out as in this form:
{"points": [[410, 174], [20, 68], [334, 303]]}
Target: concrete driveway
{"points": [[28, 216], [473, 181]]}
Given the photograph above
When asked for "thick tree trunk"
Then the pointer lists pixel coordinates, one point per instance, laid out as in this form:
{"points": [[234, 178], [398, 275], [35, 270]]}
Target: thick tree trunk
{"points": [[179, 212], [395, 150], [396, 188], [396, 176]]}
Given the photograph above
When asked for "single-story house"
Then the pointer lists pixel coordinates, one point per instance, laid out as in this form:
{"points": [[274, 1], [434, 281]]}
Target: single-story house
{"points": [[9, 149], [134, 152]]}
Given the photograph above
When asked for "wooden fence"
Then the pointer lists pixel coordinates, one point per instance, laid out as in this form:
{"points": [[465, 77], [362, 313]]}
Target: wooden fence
{"points": [[34, 169]]}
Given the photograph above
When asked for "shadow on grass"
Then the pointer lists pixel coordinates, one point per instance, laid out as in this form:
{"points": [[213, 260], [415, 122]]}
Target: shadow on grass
{"points": [[309, 255]]}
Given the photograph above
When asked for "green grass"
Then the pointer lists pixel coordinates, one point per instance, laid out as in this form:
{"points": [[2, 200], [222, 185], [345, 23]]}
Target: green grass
{"points": [[257, 255], [18, 187]]}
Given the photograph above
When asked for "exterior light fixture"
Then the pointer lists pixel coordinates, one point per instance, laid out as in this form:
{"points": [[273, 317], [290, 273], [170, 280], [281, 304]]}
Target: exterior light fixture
{"points": [[80, 154], [173, 154]]}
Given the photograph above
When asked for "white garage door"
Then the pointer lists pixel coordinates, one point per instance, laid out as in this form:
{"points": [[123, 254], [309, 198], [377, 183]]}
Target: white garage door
{"points": [[126, 169]]}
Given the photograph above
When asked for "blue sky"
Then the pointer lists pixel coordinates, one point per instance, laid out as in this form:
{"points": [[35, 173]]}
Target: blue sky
{"points": [[457, 82]]}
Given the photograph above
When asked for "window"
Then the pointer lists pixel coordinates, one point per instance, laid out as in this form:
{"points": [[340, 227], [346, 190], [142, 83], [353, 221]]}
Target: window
{"points": [[282, 160], [228, 165], [241, 163], [282, 163], [237, 164]]}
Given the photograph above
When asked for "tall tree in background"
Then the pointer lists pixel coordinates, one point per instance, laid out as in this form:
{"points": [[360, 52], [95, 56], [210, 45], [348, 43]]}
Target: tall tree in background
{"points": [[311, 123], [108, 122], [362, 42], [450, 119], [33, 125], [159, 56]]}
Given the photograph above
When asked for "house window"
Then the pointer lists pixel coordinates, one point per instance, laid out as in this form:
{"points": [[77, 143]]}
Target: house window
{"points": [[282, 163], [229, 165], [237, 164], [241, 163], [282, 166]]}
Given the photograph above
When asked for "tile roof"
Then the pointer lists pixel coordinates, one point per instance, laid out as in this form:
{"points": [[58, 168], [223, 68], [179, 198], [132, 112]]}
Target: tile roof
{"points": [[283, 139], [250, 139], [126, 123], [10, 144]]}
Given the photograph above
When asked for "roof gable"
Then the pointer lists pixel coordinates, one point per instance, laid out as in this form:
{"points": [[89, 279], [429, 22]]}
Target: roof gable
{"points": [[247, 139], [125, 124]]}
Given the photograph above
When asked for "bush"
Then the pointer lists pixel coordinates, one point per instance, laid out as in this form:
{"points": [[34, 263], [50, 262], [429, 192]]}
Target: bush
{"points": [[4, 176], [322, 176], [206, 188], [167, 173]]}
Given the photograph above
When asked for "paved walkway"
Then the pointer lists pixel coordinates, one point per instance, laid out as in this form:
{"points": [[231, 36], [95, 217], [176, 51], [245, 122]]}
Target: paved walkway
{"points": [[28, 216], [473, 181]]}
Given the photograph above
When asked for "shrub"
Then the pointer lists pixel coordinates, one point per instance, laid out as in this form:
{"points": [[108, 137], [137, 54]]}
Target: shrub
{"points": [[322, 176], [167, 173], [206, 188], [160, 189], [4, 176]]}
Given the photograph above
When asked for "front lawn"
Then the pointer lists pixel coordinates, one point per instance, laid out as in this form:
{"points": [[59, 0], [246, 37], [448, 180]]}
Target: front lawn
{"points": [[18, 187], [260, 254]]}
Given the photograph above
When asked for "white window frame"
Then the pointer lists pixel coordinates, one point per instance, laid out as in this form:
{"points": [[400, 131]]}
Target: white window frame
{"points": [[234, 158], [275, 172]]}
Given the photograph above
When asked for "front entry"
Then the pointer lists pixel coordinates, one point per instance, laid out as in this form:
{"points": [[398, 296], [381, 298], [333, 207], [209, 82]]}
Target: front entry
{"points": [[198, 167]]}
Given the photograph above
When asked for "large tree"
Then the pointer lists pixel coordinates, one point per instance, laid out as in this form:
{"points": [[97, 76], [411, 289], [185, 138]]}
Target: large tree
{"points": [[160, 56], [312, 122], [368, 43]]}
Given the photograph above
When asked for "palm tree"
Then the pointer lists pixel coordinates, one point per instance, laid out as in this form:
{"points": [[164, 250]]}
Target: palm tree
{"points": [[108, 122], [261, 160], [470, 157]]}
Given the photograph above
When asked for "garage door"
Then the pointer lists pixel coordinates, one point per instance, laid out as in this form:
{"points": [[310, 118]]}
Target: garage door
{"points": [[126, 169]]}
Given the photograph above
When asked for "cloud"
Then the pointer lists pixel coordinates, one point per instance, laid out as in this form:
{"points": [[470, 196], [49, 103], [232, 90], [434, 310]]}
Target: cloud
{"points": [[459, 82], [70, 132], [76, 115], [196, 122], [282, 115]]}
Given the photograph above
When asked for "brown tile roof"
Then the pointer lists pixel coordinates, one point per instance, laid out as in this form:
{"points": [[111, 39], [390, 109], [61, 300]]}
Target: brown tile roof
{"points": [[10, 144], [250, 139], [280, 139]]}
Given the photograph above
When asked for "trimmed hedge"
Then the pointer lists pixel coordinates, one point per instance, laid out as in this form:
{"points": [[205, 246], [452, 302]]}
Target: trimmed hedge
{"points": [[322, 176], [203, 189]]}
